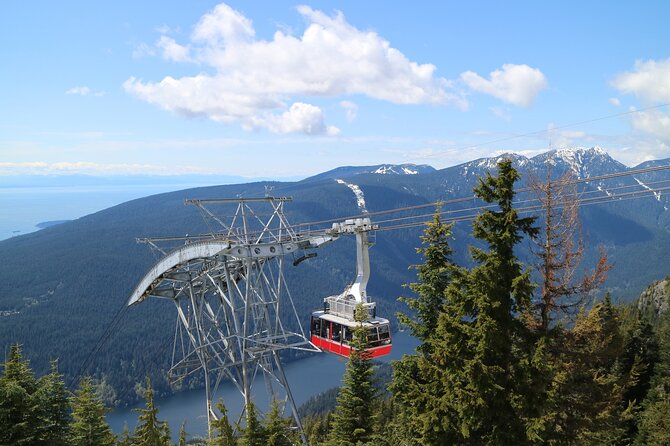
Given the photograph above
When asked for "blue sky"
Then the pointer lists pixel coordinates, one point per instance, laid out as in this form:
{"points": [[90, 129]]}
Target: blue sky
{"points": [[283, 89]]}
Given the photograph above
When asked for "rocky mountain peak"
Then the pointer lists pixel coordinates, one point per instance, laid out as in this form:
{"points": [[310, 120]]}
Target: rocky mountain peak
{"points": [[581, 161]]}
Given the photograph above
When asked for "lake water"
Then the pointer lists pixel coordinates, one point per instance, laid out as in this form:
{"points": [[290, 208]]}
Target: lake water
{"points": [[307, 377]]}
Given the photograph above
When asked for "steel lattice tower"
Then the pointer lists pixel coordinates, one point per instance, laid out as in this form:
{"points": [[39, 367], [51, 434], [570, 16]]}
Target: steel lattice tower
{"points": [[232, 299]]}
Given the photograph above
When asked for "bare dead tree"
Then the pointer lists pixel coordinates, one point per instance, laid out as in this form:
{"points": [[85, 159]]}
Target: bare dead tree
{"points": [[560, 251]]}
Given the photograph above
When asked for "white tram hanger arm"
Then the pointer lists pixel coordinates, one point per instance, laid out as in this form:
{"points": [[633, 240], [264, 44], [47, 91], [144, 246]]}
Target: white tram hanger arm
{"points": [[360, 227]]}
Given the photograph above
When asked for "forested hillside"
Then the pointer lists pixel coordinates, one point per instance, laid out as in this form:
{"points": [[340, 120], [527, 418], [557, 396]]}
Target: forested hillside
{"points": [[61, 287]]}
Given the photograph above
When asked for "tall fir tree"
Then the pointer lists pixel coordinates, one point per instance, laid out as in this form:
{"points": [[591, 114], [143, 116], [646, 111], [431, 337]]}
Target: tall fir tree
{"points": [[182, 434], [635, 369], [149, 430], [18, 406], [478, 335], [654, 421], [317, 428], [253, 433], [410, 384], [54, 409], [89, 426], [125, 439], [353, 418], [225, 435], [434, 276], [473, 386], [587, 391], [277, 427]]}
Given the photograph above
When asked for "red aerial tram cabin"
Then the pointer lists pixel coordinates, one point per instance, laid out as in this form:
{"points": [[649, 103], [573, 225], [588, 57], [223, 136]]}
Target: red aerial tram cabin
{"points": [[333, 333], [331, 329]]}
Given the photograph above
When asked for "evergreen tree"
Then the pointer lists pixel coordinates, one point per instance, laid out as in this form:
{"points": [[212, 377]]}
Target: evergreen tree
{"points": [[149, 430], [54, 409], [353, 419], [635, 370], [317, 428], [18, 405], [392, 426], [479, 334], [434, 275], [410, 384], [125, 439], [224, 431], [654, 424], [277, 427], [182, 434], [654, 421], [588, 391], [254, 433], [89, 426], [475, 386]]}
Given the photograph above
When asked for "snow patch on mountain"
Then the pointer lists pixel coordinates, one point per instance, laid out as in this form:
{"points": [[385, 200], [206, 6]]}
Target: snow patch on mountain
{"points": [[492, 163], [575, 157], [608, 193], [385, 170], [400, 169], [360, 198], [656, 193]]}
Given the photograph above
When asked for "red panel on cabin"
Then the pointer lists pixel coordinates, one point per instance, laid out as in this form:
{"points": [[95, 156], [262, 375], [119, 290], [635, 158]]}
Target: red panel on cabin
{"points": [[344, 350]]}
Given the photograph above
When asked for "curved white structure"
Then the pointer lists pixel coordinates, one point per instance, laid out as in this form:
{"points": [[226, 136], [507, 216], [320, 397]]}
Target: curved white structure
{"points": [[176, 258]]}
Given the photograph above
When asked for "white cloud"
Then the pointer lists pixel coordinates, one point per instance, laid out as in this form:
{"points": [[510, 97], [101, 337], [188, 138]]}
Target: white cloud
{"points": [[351, 110], [172, 50], [567, 138], [254, 80], [516, 84], [163, 29], [615, 102], [653, 122], [650, 80], [143, 50], [299, 118], [223, 25], [84, 91]]}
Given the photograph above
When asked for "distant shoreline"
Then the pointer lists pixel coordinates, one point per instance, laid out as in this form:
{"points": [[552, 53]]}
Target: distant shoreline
{"points": [[46, 224]]}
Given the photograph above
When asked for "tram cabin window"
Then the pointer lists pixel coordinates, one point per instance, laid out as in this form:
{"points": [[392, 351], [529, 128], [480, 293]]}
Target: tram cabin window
{"points": [[337, 330], [316, 326], [385, 334], [347, 335], [373, 337]]}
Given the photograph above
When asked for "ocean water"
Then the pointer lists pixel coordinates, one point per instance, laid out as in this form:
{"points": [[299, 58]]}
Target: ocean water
{"points": [[23, 208]]}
